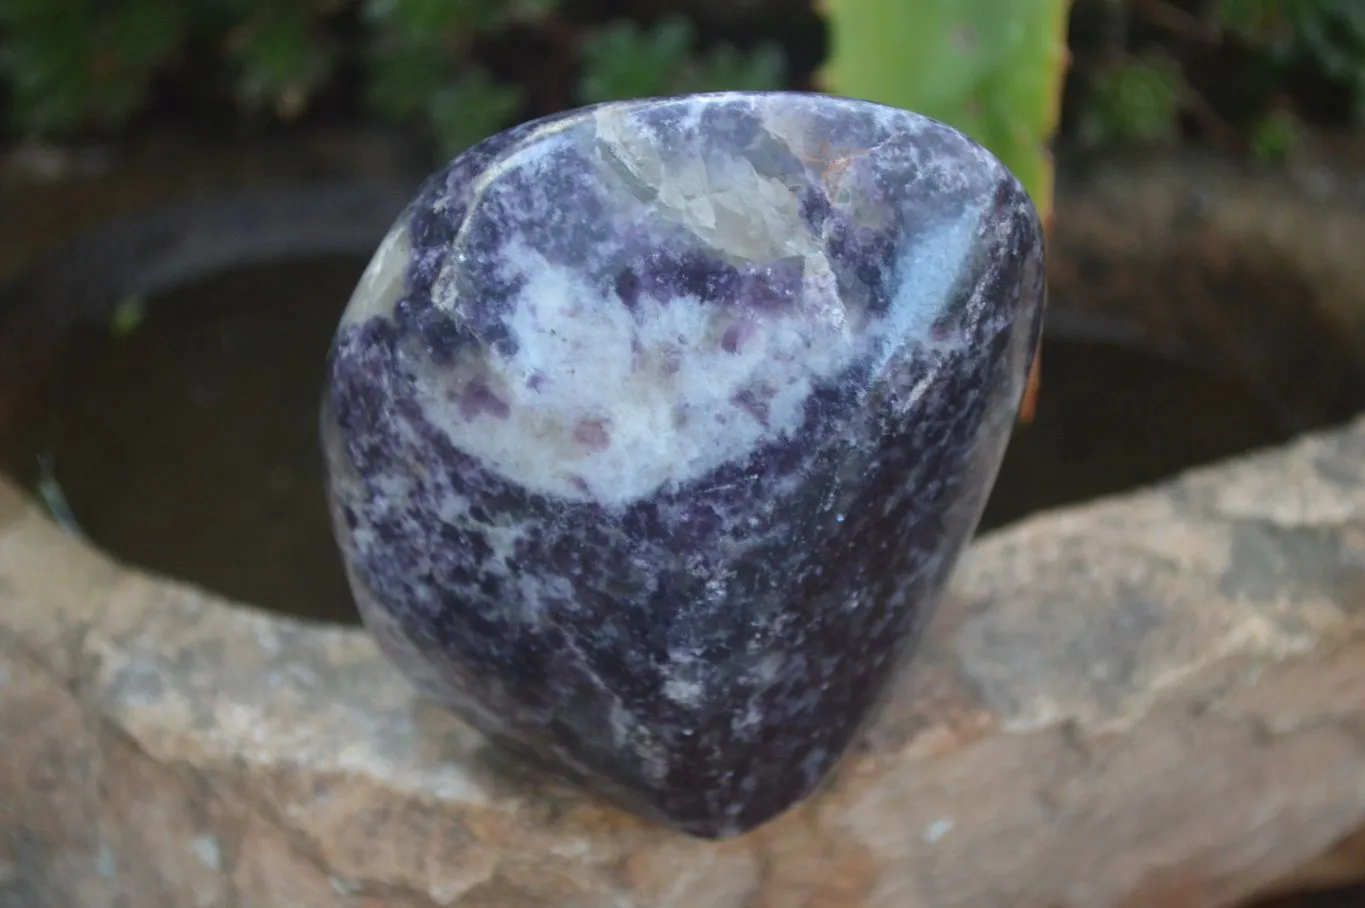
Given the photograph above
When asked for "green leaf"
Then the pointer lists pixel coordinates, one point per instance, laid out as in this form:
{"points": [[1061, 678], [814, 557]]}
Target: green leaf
{"points": [[281, 62], [990, 68], [403, 80], [50, 80], [1262, 22], [127, 317], [70, 63], [1276, 137], [729, 69], [1328, 34], [432, 20], [470, 109], [623, 61], [1135, 100], [530, 11], [147, 32]]}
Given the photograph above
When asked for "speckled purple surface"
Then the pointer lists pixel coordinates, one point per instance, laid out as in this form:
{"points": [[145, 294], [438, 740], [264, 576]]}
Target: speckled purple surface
{"points": [[655, 428]]}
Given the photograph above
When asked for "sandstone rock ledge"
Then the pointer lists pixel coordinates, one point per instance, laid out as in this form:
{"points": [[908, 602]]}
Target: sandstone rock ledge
{"points": [[1154, 700]]}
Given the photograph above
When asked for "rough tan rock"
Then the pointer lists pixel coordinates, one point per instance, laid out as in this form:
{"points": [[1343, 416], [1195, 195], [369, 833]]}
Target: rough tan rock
{"points": [[1153, 700]]}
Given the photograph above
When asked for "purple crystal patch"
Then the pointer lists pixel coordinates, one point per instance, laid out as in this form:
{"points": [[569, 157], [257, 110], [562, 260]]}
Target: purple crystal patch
{"points": [[655, 429]]}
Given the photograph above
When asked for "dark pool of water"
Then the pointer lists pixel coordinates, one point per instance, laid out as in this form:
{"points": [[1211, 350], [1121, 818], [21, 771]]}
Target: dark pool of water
{"points": [[189, 445], [1112, 418]]}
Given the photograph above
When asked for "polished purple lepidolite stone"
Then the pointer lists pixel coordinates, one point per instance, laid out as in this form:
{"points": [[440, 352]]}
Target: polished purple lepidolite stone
{"points": [[655, 428]]}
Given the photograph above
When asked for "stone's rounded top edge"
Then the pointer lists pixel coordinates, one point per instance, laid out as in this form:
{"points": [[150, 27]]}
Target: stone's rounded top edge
{"points": [[767, 96], [796, 97], [766, 101], [813, 99], [789, 114], [812, 125]]}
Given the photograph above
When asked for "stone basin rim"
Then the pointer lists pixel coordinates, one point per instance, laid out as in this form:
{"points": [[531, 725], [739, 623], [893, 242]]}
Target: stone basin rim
{"points": [[89, 647], [27, 517], [422, 757]]}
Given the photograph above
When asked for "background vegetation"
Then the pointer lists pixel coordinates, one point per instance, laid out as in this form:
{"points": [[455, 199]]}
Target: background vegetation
{"points": [[1247, 77], [1244, 75]]}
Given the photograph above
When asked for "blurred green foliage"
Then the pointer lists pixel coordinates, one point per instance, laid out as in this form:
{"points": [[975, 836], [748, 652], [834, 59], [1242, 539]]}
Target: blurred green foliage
{"points": [[277, 53], [995, 69], [72, 62], [469, 107], [75, 65], [1272, 46], [625, 60], [420, 69], [1328, 34], [1275, 138], [1135, 100]]}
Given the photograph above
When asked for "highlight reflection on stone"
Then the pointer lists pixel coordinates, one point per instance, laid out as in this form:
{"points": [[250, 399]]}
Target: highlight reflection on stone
{"points": [[655, 428]]}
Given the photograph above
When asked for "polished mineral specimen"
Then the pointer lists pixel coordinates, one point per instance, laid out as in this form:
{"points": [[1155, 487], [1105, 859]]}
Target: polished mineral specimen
{"points": [[655, 428]]}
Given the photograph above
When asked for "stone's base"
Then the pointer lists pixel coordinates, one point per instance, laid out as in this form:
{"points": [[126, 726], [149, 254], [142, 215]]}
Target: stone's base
{"points": [[1155, 700], [655, 428]]}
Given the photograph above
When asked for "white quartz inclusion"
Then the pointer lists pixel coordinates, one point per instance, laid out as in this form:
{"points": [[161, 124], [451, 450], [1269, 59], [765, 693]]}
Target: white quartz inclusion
{"points": [[610, 405]]}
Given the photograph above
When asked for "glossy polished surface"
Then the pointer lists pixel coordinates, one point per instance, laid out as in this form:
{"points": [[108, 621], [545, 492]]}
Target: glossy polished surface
{"points": [[655, 428]]}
